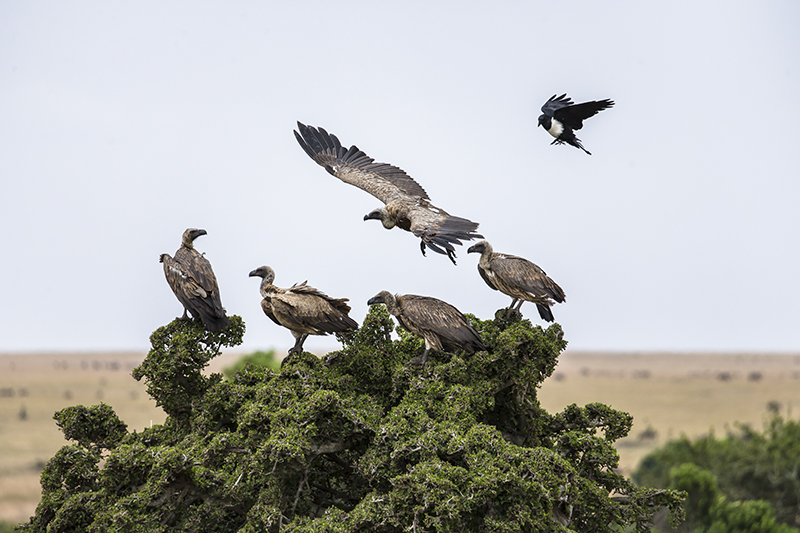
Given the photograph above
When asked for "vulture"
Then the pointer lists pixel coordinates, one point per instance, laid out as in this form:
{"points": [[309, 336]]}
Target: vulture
{"points": [[407, 204], [190, 276], [560, 117], [441, 325], [518, 278], [302, 309]]}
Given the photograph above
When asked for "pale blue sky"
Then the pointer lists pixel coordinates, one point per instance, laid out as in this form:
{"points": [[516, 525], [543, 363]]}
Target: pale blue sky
{"points": [[122, 124]]}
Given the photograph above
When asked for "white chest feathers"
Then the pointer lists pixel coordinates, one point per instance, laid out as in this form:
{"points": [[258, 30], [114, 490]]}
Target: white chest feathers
{"points": [[556, 128]]}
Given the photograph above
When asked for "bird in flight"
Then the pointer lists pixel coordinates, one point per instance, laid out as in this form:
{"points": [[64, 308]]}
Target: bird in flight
{"points": [[560, 117], [407, 205]]}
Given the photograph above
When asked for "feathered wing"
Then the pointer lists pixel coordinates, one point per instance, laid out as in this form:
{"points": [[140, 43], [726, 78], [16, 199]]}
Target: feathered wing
{"points": [[405, 199], [554, 103], [424, 313], [524, 278], [385, 182], [306, 310], [574, 115], [191, 278], [439, 230]]}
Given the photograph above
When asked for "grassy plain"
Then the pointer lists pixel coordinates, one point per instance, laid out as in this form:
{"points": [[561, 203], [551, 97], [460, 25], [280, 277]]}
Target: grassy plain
{"points": [[668, 395]]}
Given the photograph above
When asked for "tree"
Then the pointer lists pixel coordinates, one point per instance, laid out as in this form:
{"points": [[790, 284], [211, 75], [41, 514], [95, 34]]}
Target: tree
{"points": [[358, 441], [755, 476]]}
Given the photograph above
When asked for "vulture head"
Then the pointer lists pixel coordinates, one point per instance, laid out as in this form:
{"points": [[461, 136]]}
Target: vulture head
{"points": [[381, 214], [482, 247], [386, 298], [265, 273], [190, 235]]}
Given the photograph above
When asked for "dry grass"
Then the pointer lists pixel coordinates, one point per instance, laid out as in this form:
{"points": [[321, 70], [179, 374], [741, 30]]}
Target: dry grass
{"points": [[669, 394]]}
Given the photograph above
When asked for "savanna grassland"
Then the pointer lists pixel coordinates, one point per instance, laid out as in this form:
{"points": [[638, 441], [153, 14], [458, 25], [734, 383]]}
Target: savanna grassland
{"points": [[667, 394]]}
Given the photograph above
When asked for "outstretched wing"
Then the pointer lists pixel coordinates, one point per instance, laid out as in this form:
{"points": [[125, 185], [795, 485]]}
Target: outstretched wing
{"points": [[574, 115], [382, 180], [554, 103]]}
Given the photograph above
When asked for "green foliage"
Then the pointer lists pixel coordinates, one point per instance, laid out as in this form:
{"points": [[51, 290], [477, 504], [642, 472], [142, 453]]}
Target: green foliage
{"points": [[260, 358], [747, 465], [360, 441]]}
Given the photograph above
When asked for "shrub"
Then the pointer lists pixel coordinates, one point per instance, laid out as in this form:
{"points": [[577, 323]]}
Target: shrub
{"points": [[361, 441]]}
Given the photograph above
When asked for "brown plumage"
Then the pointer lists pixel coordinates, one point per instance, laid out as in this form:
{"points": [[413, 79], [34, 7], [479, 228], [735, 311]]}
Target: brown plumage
{"points": [[302, 309], [407, 204], [518, 278], [441, 325], [191, 278]]}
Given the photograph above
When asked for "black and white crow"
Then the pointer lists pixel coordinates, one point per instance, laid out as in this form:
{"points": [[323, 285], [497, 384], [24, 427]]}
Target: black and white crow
{"points": [[560, 116]]}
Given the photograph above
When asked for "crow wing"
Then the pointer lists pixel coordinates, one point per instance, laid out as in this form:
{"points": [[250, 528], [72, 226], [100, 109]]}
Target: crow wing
{"points": [[554, 103], [574, 115]]}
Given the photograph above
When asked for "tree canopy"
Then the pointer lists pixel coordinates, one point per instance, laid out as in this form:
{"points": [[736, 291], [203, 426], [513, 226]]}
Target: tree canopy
{"points": [[359, 441]]}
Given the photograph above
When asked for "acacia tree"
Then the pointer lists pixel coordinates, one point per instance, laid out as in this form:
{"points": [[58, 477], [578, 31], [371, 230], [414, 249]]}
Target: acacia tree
{"points": [[360, 441]]}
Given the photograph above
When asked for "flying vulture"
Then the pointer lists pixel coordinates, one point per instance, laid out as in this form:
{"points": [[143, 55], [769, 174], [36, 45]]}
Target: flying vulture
{"points": [[302, 309], [560, 116], [518, 278], [441, 325], [407, 204], [190, 276]]}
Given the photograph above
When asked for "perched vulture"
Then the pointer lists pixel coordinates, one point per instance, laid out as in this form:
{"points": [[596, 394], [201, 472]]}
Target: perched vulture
{"points": [[190, 276], [302, 309], [407, 204], [518, 278], [441, 325], [560, 117]]}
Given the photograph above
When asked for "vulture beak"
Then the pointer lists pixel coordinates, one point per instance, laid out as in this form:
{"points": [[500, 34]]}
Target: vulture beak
{"points": [[473, 248], [375, 300], [253, 273], [372, 216]]}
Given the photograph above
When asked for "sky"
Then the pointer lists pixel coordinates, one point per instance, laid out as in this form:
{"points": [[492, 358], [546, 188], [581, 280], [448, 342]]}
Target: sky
{"points": [[122, 124]]}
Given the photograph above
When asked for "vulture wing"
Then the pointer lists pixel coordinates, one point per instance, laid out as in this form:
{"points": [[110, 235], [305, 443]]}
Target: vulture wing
{"points": [[518, 273], [439, 230], [307, 310], [192, 280], [405, 199], [574, 115], [441, 318], [385, 182]]}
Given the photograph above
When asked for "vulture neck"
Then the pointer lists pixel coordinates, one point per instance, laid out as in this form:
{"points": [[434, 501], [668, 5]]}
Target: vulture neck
{"points": [[486, 257]]}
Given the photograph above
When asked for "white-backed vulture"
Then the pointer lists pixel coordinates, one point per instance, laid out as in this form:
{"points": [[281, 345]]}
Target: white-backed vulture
{"points": [[518, 278], [302, 309], [407, 204], [191, 278], [441, 325]]}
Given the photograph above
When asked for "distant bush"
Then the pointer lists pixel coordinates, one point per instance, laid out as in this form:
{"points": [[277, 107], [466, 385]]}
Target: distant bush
{"points": [[360, 441], [755, 474], [259, 359]]}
